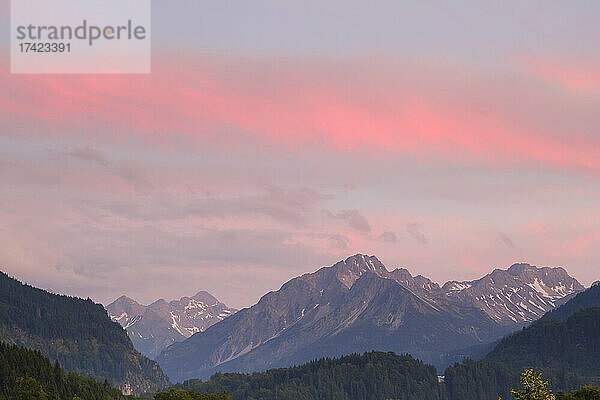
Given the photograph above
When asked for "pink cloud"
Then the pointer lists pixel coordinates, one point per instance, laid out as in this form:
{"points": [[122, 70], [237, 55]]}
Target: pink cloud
{"points": [[284, 105], [584, 78]]}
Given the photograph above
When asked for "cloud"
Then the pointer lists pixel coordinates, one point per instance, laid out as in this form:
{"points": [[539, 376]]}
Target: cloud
{"points": [[352, 217], [426, 110], [579, 77], [414, 231], [388, 237], [340, 242], [506, 240], [293, 206], [213, 173], [88, 154]]}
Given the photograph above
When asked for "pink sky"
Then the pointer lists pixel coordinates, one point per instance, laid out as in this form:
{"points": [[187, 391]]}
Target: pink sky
{"points": [[233, 171]]}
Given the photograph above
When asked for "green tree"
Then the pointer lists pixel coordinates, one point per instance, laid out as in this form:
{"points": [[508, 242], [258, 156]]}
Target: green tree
{"points": [[585, 393], [172, 394], [534, 387], [29, 389], [180, 394]]}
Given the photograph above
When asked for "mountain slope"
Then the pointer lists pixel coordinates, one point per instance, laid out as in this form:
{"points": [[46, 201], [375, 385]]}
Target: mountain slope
{"points": [[356, 305], [18, 362], [376, 313], [521, 294], [152, 328], [77, 333], [572, 345]]}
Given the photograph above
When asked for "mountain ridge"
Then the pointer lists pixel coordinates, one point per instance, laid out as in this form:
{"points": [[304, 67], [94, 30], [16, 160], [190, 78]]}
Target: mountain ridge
{"points": [[358, 302], [160, 324]]}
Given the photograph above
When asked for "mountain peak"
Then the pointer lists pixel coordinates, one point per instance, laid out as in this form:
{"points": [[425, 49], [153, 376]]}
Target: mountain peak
{"points": [[154, 327], [205, 297], [349, 270], [418, 284], [519, 294], [518, 268], [125, 300], [160, 303], [369, 263]]}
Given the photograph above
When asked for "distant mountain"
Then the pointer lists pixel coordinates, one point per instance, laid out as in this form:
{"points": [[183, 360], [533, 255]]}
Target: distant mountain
{"points": [[358, 305], [564, 344], [77, 333], [152, 328], [523, 293]]}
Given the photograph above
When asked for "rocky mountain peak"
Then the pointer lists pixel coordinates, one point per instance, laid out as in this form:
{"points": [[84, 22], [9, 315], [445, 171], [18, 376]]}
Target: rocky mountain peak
{"points": [[417, 284], [519, 268], [205, 297], [519, 294], [349, 270], [158, 304], [124, 309], [125, 301], [154, 327]]}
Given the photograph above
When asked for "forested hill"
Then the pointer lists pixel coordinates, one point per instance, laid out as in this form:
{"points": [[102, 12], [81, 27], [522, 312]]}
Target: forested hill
{"points": [[28, 371], [378, 376], [77, 333], [586, 299], [572, 345], [371, 376]]}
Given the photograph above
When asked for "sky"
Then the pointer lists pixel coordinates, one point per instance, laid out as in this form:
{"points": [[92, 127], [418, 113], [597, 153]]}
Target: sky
{"points": [[273, 138]]}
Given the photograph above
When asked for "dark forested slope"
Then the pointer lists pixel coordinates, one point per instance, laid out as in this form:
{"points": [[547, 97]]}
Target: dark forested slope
{"points": [[371, 376], [19, 363], [77, 333], [572, 345]]}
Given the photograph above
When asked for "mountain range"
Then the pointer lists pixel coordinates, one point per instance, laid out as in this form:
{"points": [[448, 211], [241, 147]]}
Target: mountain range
{"points": [[160, 324], [562, 345], [359, 305]]}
